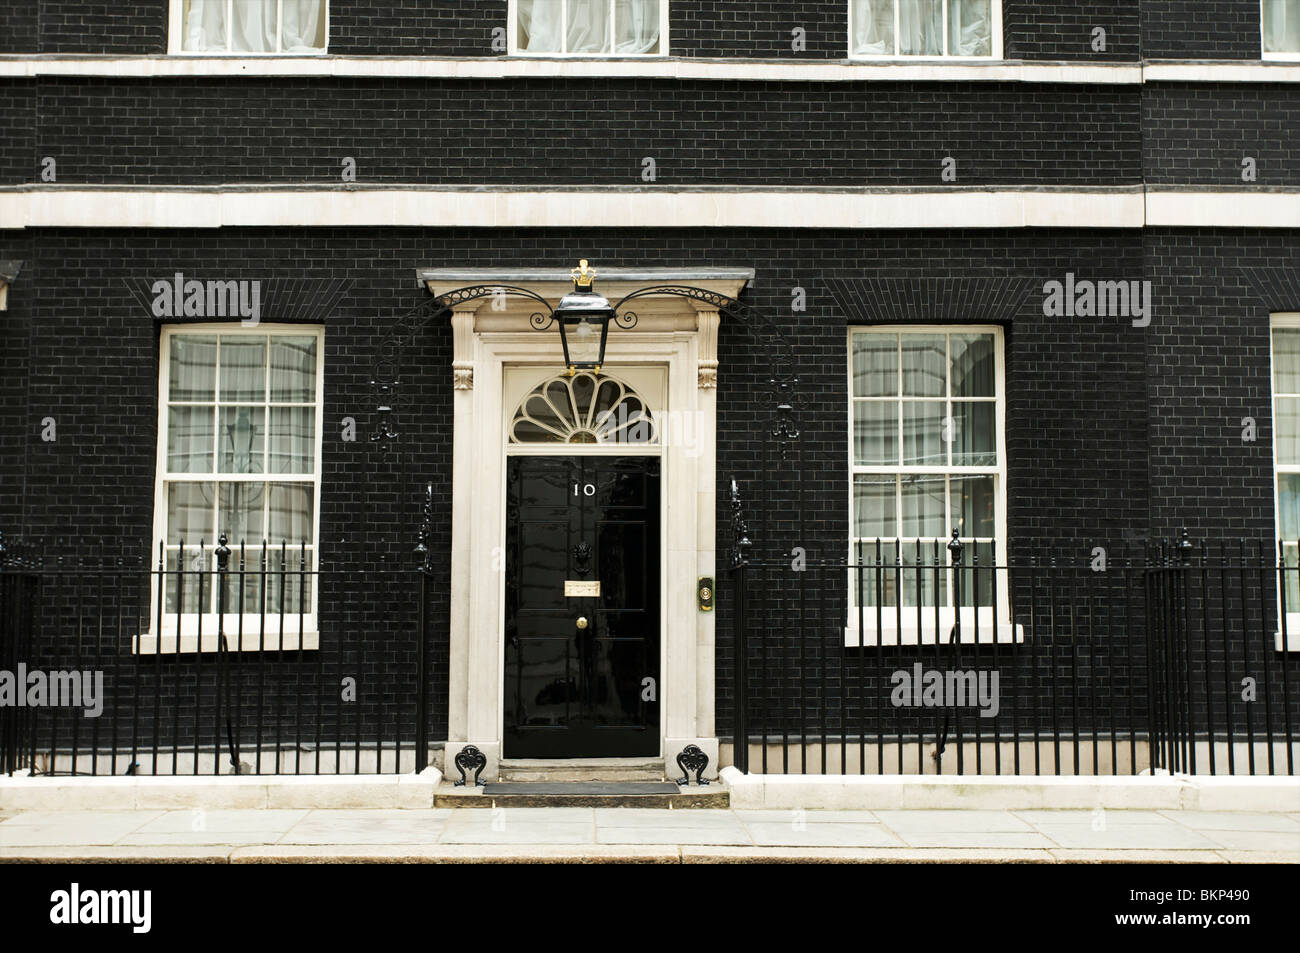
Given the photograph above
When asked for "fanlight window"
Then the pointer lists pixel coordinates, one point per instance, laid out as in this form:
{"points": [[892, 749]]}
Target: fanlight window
{"points": [[583, 408]]}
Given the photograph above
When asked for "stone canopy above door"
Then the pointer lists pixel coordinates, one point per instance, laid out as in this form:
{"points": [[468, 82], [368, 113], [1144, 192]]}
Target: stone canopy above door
{"points": [[655, 312]]}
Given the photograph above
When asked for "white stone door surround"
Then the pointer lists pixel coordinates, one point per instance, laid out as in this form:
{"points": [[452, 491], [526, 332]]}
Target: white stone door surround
{"points": [[674, 334]]}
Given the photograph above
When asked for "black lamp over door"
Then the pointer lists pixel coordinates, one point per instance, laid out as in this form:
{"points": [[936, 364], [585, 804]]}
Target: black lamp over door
{"points": [[584, 317]]}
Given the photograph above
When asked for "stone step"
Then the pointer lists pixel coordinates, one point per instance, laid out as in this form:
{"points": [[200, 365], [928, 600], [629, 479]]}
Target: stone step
{"points": [[650, 794], [584, 769]]}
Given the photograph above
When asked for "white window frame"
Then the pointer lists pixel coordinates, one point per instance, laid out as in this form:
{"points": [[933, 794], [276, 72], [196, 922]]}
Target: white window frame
{"points": [[512, 37], [975, 625], [995, 41], [191, 624], [1283, 55], [176, 34], [1291, 321]]}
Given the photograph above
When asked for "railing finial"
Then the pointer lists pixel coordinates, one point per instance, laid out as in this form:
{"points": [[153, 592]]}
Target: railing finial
{"points": [[955, 546]]}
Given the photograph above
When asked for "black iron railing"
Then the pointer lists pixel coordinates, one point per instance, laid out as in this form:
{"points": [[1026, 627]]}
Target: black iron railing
{"points": [[214, 660], [932, 656]]}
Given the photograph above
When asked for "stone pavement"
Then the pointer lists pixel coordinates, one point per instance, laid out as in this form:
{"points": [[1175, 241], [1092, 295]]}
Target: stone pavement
{"points": [[632, 834]]}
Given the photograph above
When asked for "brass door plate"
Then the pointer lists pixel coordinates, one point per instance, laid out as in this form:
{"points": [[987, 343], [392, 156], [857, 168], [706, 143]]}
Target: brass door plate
{"points": [[581, 588], [704, 593]]}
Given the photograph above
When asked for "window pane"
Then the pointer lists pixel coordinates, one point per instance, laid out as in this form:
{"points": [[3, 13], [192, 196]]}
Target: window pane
{"points": [[972, 365], [920, 27], [873, 27], [293, 369], [205, 25], [243, 369], [243, 439], [303, 29], [1288, 429], [293, 439], [253, 26], [924, 506], [189, 513], [972, 502], [189, 439], [1281, 26], [974, 439], [296, 583], [290, 514], [240, 512], [1288, 507], [1291, 555], [540, 29], [923, 443], [977, 577], [875, 365], [192, 367], [192, 590], [588, 28], [1286, 360], [924, 356], [875, 433], [874, 507], [970, 28], [636, 26]]}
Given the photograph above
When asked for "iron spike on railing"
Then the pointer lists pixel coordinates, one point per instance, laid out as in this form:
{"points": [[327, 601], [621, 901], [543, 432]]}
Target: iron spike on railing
{"points": [[739, 530], [426, 531]]}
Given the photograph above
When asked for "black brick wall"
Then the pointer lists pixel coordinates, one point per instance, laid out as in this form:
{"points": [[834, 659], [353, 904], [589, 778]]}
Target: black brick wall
{"points": [[1198, 133], [707, 28], [210, 131], [77, 26], [1200, 29], [1063, 31], [415, 27], [18, 27], [1209, 359]]}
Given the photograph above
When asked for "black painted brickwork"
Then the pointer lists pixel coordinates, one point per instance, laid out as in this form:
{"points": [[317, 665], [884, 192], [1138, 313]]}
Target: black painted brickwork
{"points": [[1198, 133], [1063, 31], [521, 132], [1201, 29]]}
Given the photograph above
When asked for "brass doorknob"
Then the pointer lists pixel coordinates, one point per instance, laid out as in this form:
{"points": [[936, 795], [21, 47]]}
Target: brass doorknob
{"points": [[582, 622]]}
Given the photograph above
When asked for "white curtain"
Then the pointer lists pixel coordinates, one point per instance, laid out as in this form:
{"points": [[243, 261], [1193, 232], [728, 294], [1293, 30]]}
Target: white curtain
{"points": [[970, 30], [588, 30], [252, 26], [1282, 26], [302, 30], [921, 28], [205, 25], [541, 26], [873, 27], [636, 26]]}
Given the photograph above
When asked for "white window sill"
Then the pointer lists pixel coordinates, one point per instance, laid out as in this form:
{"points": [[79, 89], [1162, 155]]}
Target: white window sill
{"points": [[888, 632], [247, 54], [148, 643], [1292, 634]]}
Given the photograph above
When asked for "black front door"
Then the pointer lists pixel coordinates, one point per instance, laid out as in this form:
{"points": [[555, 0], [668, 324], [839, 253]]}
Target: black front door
{"points": [[582, 607]]}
